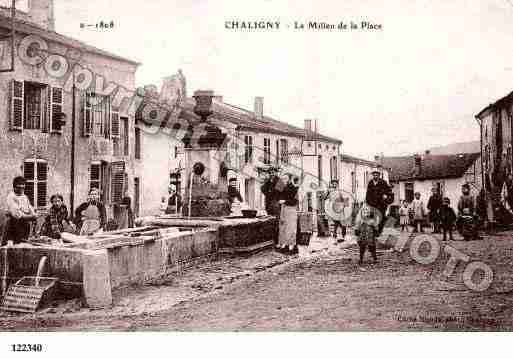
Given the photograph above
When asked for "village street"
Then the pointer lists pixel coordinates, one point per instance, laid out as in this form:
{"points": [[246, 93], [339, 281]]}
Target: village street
{"points": [[324, 290]]}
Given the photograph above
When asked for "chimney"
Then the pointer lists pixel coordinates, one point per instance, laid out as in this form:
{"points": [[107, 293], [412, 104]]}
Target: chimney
{"points": [[376, 158], [40, 12], [308, 126], [259, 108], [418, 164]]}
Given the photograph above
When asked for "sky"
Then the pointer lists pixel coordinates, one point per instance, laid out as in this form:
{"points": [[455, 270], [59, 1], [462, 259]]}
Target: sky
{"points": [[417, 83]]}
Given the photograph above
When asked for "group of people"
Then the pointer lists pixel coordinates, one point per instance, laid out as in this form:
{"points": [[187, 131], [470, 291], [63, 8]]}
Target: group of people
{"points": [[90, 216], [441, 215], [281, 200]]}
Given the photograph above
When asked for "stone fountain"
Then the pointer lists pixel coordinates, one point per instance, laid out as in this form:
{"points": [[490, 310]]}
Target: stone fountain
{"points": [[206, 192]]}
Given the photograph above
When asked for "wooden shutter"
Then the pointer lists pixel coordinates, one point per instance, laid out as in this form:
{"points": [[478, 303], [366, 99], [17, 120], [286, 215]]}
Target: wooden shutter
{"points": [[29, 175], [137, 143], [56, 102], [46, 109], [117, 181], [87, 120], [42, 176], [114, 124], [17, 105]]}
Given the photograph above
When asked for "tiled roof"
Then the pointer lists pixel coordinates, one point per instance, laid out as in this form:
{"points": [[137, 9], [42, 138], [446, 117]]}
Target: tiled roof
{"points": [[432, 166], [246, 120], [504, 101], [26, 27], [352, 159]]}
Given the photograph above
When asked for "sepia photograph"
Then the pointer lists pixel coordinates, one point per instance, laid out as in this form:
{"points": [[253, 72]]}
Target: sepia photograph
{"points": [[264, 166]]}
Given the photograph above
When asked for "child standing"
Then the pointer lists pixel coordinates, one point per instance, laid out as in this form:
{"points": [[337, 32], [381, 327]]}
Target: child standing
{"points": [[447, 218], [417, 207], [403, 216], [366, 230]]}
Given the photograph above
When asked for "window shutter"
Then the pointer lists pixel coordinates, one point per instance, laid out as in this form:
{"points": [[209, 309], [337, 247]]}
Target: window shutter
{"points": [[117, 181], [114, 124], [87, 123], [29, 174], [46, 109], [56, 102], [42, 176], [17, 105]]}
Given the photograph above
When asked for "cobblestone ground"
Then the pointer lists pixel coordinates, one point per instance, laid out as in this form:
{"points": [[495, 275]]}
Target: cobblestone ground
{"points": [[321, 289]]}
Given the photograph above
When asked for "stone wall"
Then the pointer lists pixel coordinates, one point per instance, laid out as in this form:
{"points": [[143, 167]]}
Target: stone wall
{"points": [[55, 149]]}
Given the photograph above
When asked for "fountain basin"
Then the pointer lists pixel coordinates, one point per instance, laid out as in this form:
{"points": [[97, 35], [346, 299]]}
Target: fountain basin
{"points": [[95, 266]]}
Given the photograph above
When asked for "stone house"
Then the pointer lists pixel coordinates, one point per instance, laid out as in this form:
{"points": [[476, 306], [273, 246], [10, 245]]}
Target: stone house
{"points": [[420, 173], [254, 140], [53, 75], [496, 127]]}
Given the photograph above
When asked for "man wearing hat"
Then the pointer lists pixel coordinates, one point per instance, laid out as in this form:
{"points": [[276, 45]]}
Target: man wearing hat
{"points": [[379, 196]]}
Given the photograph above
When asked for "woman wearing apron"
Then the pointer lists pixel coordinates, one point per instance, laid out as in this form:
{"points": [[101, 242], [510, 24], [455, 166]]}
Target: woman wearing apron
{"points": [[288, 216], [91, 215]]}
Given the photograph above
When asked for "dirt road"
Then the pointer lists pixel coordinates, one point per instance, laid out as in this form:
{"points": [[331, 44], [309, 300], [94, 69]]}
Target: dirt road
{"points": [[326, 292]]}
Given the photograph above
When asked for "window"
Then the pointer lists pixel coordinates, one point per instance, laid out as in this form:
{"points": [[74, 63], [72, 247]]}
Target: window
{"points": [[36, 175], [267, 151], [353, 182], [95, 177], [176, 151], [138, 143], [333, 168], [97, 117], [248, 149], [309, 203], [35, 106], [408, 191], [284, 150]]}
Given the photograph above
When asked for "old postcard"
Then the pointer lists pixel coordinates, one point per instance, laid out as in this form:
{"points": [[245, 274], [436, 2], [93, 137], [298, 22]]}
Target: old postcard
{"points": [[229, 166]]}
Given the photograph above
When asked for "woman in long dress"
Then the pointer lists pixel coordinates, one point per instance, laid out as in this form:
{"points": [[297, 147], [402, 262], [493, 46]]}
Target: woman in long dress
{"points": [[288, 216]]}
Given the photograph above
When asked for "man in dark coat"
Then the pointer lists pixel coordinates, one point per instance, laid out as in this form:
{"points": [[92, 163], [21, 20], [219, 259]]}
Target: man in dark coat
{"points": [[434, 204], [379, 196], [271, 193]]}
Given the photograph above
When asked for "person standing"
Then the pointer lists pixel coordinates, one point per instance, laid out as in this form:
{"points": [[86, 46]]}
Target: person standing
{"points": [[338, 209], [288, 216], [366, 225], [127, 201], [403, 216], [91, 216], [447, 218], [271, 193], [417, 207], [434, 204], [20, 213], [379, 196]]}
